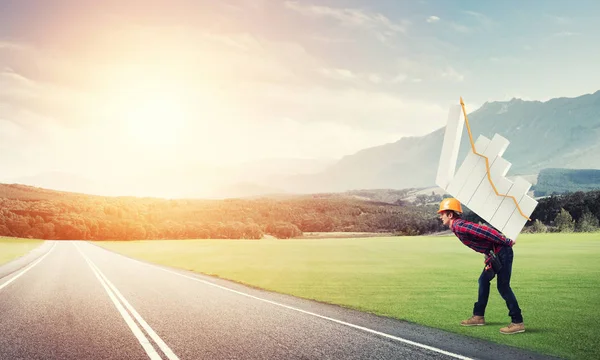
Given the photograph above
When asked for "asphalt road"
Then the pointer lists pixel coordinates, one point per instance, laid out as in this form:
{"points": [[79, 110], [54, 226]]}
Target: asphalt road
{"points": [[74, 300]]}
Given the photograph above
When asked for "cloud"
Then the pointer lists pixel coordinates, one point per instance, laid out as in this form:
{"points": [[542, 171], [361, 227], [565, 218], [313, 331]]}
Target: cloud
{"points": [[12, 45], [347, 16], [332, 40], [358, 77], [318, 138], [318, 121], [238, 41], [29, 142], [11, 132], [364, 109], [566, 34], [15, 86], [460, 28], [433, 19], [508, 60], [451, 74], [44, 67], [175, 55], [482, 19], [400, 78], [243, 5], [379, 24], [281, 97], [420, 70], [558, 20], [237, 80], [339, 74], [44, 102], [374, 78], [482, 23], [301, 122]]}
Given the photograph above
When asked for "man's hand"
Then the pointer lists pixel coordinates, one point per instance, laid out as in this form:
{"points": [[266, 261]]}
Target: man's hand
{"points": [[511, 243], [488, 263]]}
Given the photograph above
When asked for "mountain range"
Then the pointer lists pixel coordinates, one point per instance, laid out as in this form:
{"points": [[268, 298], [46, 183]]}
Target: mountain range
{"points": [[558, 133]]}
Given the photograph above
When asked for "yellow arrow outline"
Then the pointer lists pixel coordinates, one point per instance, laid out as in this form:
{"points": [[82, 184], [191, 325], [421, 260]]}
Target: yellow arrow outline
{"points": [[487, 163]]}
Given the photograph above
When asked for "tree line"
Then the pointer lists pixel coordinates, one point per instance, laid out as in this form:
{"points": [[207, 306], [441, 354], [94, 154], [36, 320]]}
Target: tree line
{"points": [[574, 211], [44, 214]]}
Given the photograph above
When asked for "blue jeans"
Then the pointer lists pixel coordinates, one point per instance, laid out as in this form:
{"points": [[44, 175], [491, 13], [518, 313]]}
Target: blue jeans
{"points": [[506, 257]]}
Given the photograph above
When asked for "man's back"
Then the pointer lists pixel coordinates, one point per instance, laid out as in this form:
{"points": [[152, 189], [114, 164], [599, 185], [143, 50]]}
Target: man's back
{"points": [[480, 238]]}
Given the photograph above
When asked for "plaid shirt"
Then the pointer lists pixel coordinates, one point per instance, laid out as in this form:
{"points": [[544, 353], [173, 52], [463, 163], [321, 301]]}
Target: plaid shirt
{"points": [[480, 238]]}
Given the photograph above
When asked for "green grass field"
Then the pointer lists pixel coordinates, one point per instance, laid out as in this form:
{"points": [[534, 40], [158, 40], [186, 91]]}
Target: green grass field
{"points": [[12, 248], [426, 280]]}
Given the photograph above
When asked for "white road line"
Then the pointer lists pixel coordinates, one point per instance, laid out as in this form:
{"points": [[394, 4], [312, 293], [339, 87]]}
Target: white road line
{"points": [[163, 346], [27, 268], [406, 341], [130, 322]]}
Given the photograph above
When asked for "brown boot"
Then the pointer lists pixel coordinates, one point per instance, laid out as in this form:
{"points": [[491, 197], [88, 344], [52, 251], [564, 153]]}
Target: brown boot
{"points": [[513, 328], [475, 320]]}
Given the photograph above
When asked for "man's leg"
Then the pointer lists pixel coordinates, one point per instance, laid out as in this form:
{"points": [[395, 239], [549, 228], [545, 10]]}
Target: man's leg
{"points": [[483, 293], [514, 311], [482, 299]]}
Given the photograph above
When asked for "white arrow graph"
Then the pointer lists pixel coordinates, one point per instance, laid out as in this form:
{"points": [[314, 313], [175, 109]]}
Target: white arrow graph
{"points": [[508, 207]]}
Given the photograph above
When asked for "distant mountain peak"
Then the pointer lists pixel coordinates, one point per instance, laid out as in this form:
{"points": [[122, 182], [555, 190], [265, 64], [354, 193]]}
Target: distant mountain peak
{"points": [[561, 133]]}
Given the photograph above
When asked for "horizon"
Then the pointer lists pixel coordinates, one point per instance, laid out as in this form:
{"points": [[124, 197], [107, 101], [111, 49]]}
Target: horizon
{"points": [[121, 94]]}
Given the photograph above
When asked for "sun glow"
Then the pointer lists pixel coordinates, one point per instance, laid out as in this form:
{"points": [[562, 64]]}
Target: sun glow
{"points": [[155, 119], [157, 116]]}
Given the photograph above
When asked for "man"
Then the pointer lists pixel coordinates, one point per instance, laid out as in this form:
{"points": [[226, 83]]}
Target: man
{"points": [[498, 261]]}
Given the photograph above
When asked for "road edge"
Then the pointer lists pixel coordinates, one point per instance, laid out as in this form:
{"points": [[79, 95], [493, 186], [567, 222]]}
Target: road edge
{"points": [[19, 263]]}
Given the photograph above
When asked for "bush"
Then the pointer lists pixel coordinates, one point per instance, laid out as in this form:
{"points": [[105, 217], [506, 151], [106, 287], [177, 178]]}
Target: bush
{"points": [[587, 222], [564, 221], [538, 227], [283, 230]]}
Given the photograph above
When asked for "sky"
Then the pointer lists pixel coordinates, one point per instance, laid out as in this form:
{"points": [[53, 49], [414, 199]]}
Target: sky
{"points": [[115, 87]]}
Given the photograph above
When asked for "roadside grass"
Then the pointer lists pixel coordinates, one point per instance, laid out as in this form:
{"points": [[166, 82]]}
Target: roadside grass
{"points": [[426, 280], [12, 248]]}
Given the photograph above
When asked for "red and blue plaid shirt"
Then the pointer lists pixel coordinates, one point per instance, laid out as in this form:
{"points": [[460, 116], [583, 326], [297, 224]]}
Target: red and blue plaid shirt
{"points": [[480, 238]]}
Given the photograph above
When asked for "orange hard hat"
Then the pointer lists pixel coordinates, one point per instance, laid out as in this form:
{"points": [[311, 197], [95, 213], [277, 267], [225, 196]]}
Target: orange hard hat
{"points": [[450, 204]]}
